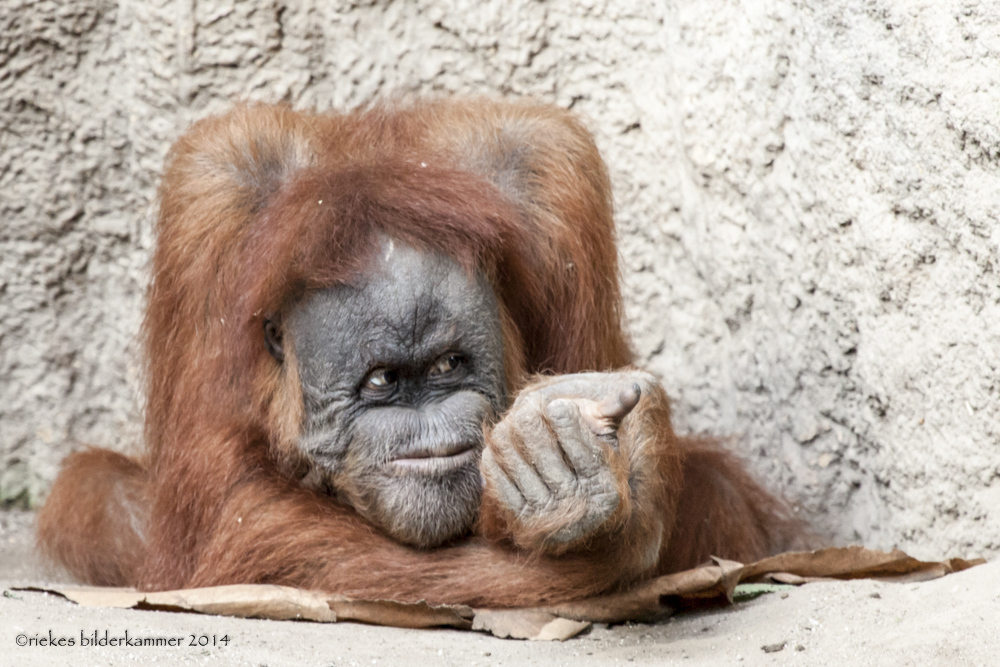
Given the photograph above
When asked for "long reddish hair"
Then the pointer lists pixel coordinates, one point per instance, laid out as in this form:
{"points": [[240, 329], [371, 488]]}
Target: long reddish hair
{"points": [[252, 214]]}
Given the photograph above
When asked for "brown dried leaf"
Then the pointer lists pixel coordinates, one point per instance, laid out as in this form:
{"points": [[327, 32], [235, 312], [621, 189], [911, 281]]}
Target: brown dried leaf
{"points": [[854, 563], [244, 601], [526, 624], [400, 614], [648, 601]]}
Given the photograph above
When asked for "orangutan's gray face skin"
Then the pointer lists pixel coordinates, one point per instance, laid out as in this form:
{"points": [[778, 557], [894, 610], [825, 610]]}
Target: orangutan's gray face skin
{"points": [[400, 372]]}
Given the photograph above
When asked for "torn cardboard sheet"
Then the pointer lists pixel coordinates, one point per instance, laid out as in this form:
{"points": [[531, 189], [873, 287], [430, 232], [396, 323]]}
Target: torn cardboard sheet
{"points": [[710, 584]]}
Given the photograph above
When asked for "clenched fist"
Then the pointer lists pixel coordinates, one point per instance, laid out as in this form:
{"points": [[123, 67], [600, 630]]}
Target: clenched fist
{"points": [[559, 466]]}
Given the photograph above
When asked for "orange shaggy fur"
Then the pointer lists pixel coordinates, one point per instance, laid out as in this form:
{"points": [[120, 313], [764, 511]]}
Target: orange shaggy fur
{"points": [[263, 203]]}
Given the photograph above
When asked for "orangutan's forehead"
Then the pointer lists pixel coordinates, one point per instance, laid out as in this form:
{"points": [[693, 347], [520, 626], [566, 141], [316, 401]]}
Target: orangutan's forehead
{"points": [[410, 306]]}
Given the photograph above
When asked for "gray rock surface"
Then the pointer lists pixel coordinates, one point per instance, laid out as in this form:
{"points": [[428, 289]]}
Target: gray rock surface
{"points": [[807, 194]]}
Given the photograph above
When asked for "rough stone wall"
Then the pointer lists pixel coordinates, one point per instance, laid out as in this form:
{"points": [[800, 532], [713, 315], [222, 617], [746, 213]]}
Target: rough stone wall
{"points": [[807, 195]]}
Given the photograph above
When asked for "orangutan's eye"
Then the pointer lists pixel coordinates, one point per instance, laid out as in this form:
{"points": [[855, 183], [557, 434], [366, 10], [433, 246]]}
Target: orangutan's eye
{"points": [[380, 381], [445, 364]]}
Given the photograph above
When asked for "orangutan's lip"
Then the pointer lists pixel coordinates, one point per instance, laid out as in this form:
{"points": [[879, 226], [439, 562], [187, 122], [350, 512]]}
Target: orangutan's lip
{"points": [[433, 463]]}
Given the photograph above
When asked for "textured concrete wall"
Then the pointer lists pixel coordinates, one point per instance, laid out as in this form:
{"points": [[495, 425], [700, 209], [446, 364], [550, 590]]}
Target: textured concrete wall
{"points": [[807, 193]]}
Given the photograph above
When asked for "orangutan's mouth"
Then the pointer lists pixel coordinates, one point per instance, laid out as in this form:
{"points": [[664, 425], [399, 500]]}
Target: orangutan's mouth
{"points": [[435, 461]]}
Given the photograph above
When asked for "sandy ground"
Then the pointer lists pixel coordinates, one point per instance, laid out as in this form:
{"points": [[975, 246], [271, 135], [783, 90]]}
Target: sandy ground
{"points": [[950, 621]]}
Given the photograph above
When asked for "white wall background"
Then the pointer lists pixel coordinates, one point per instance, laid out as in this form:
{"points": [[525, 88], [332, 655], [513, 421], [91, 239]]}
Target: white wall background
{"points": [[807, 191]]}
